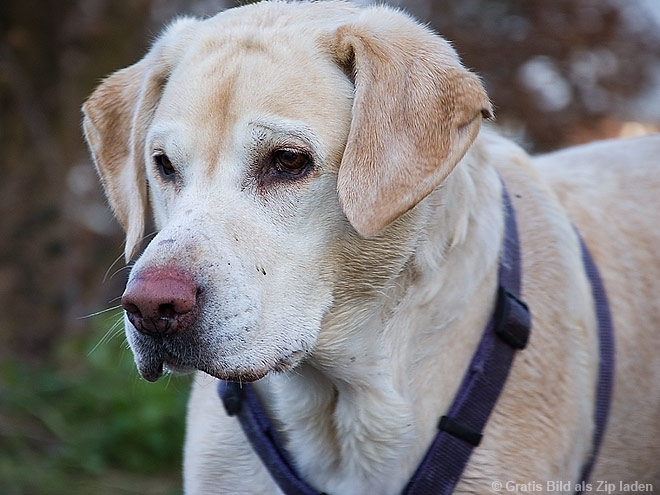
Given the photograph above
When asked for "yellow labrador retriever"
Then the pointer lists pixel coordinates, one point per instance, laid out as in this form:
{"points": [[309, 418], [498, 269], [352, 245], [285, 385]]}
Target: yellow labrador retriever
{"points": [[330, 224]]}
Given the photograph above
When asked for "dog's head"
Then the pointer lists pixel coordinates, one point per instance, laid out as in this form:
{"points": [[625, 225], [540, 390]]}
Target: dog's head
{"points": [[276, 143]]}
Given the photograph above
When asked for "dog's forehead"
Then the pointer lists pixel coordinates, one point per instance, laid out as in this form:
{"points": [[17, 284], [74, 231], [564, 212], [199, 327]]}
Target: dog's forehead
{"points": [[252, 70], [236, 73], [278, 14]]}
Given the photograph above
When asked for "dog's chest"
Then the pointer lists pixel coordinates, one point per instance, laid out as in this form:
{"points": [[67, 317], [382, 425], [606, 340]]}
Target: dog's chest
{"points": [[349, 442]]}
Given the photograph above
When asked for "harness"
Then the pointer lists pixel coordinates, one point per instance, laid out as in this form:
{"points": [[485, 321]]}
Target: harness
{"points": [[460, 430]]}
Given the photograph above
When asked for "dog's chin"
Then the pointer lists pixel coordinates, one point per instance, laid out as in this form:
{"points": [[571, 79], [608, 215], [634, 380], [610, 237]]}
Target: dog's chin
{"points": [[153, 365]]}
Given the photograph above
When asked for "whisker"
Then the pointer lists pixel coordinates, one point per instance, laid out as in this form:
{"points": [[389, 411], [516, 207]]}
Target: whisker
{"points": [[105, 277], [91, 315], [114, 331], [147, 236], [115, 299], [119, 270]]}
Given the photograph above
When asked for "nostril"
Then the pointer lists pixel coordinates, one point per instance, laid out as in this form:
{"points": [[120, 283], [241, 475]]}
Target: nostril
{"points": [[158, 301], [168, 311], [129, 307], [182, 304]]}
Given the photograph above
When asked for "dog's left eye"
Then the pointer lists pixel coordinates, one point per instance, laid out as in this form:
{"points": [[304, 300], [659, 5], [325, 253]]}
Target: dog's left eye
{"points": [[291, 163], [164, 166]]}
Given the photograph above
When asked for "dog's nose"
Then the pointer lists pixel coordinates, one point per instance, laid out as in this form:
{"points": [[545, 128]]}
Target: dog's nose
{"points": [[160, 302]]}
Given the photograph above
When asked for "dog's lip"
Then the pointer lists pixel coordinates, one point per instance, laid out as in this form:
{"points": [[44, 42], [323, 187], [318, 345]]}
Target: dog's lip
{"points": [[152, 367], [178, 368], [151, 370], [222, 374]]}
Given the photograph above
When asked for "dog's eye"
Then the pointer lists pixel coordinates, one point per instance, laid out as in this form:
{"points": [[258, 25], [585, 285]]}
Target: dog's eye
{"points": [[291, 163], [164, 166]]}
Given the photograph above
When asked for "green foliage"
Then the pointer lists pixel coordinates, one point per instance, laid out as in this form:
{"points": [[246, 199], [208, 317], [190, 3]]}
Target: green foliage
{"points": [[86, 422]]}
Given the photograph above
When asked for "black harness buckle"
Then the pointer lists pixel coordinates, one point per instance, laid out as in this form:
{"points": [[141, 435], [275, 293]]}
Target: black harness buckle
{"points": [[460, 430], [513, 321]]}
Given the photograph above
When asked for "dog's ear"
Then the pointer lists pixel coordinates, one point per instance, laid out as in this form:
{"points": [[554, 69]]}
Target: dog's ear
{"points": [[415, 113], [109, 115], [115, 121]]}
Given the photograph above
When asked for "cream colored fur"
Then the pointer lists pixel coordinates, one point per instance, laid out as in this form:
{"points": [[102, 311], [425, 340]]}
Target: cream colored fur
{"points": [[357, 294]]}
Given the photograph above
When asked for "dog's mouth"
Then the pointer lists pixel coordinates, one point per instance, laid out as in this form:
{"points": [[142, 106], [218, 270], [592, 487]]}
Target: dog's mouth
{"points": [[152, 367], [153, 370], [153, 359]]}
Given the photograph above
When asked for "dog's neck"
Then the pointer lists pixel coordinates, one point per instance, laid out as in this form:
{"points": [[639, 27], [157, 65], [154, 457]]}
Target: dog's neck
{"points": [[358, 416]]}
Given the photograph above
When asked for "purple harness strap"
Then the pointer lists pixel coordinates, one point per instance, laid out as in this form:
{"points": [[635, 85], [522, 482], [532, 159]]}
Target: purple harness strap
{"points": [[243, 402], [606, 346], [506, 332], [460, 430]]}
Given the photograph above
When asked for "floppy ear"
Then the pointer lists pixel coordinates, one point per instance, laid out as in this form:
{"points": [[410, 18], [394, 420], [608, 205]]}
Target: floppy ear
{"points": [[415, 113], [116, 118], [108, 124]]}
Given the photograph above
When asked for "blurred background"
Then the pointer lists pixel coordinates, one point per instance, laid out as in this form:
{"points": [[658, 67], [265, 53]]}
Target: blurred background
{"points": [[75, 417]]}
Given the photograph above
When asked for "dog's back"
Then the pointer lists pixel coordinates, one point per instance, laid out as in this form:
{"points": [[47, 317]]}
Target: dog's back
{"points": [[611, 190]]}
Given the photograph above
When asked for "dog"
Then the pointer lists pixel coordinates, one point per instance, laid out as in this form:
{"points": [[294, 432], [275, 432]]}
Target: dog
{"points": [[329, 213]]}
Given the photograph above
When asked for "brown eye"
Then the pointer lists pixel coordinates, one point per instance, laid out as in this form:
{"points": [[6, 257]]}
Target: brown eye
{"points": [[164, 166], [292, 163]]}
